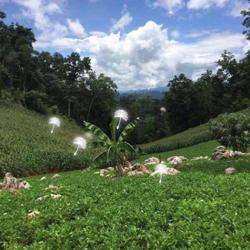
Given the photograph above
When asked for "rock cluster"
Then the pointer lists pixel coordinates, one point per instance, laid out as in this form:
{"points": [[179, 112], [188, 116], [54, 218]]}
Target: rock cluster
{"points": [[152, 161], [128, 170], [168, 171], [222, 153], [12, 184], [197, 158], [176, 160]]}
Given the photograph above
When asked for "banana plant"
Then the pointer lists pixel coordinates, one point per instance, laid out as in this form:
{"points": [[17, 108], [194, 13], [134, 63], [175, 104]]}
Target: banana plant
{"points": [[114, 147]]}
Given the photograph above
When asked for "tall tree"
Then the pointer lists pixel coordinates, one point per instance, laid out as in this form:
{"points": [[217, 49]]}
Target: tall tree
{"points": [[246, 22]]}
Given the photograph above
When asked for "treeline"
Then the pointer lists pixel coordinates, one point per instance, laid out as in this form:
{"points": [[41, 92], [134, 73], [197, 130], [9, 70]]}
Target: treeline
{"points": [[189, 103], [50, 83], [68, 85]]}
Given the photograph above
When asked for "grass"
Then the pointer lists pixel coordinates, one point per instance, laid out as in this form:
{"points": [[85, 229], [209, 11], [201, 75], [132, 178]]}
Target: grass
{"points": [[186, 138], [27, 147], [201, 208], [201, 149], [183, 139]]}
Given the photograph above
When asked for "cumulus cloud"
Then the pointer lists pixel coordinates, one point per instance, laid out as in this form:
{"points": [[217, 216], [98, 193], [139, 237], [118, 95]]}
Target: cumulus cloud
{"points": [[205, 4], [76, 28], [144, 57], [169, 5], [40, 11], [123, 21]]}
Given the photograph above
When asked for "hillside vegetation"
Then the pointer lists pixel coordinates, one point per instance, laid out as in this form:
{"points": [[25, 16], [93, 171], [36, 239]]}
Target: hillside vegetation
{"points": [[201, 208], [183, 139], [27, 147]]}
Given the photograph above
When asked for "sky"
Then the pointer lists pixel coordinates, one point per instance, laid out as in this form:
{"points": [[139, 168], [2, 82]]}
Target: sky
{"points": [[138, 43]]}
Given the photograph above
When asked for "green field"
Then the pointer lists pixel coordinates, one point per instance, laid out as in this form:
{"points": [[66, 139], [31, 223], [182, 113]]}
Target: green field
{"points": [[183, 139], [201, 149], [201, 208], [27, 147]]}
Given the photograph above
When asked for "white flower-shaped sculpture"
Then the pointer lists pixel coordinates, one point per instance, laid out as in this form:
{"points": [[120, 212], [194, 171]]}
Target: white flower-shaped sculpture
{"points": [[163, 110], [55, 122], [121, 115], [88, 136], [161, 169], [80, 143]]}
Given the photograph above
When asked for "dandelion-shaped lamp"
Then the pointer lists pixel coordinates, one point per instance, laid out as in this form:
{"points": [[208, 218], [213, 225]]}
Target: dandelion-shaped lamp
{"points": [[80, 143], [88, 136], [161, 169], [55, 122], [163, 110], [121, 115]]}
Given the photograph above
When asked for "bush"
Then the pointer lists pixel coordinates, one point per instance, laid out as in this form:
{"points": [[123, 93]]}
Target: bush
{"points": [[231, 130], [36, 101], [181, 143]]}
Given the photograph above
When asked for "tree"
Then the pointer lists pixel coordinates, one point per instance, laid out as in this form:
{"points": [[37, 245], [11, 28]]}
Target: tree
{"points": [[114, 148], [246, 22], [178, 101]]}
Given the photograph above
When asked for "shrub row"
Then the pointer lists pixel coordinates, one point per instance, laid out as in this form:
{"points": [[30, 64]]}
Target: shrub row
{"points": [[27, 147], [181, 143]]}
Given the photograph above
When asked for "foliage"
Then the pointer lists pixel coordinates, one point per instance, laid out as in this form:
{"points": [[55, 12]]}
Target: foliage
{"points": [[232, 130], [27, 147], [246, 22], [42, 81], [186, 138], [45, 81], [200, 149], [197, 209], [114, 148]]}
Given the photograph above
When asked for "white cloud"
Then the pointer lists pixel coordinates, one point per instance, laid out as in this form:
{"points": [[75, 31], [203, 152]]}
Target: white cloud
{"points": [[205, 4], [200, 33], [39, 11], [76, 28], [124, 21], [169, 5], [237, 7], [146, 57]]}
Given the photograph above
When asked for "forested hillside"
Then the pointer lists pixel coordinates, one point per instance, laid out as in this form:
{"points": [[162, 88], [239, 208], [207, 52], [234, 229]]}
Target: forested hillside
{"points": [[52, 83]]}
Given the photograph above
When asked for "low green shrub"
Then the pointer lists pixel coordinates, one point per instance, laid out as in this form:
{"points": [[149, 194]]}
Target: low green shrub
{"points": [[232, 130], [201, 208], [179, 143]]}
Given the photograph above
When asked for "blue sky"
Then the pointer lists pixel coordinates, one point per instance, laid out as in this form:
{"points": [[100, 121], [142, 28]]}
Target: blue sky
{"points": [[139, 43]]}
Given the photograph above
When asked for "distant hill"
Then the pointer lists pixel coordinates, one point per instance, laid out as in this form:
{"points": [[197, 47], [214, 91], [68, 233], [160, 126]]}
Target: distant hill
{"points": [[153, 92]]}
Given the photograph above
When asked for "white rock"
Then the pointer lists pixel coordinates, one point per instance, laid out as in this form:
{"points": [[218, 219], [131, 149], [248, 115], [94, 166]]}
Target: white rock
{"points": [[33, 214], [230, 171], [152, 161], [56, 196], [55, 176], [176, 160]]}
